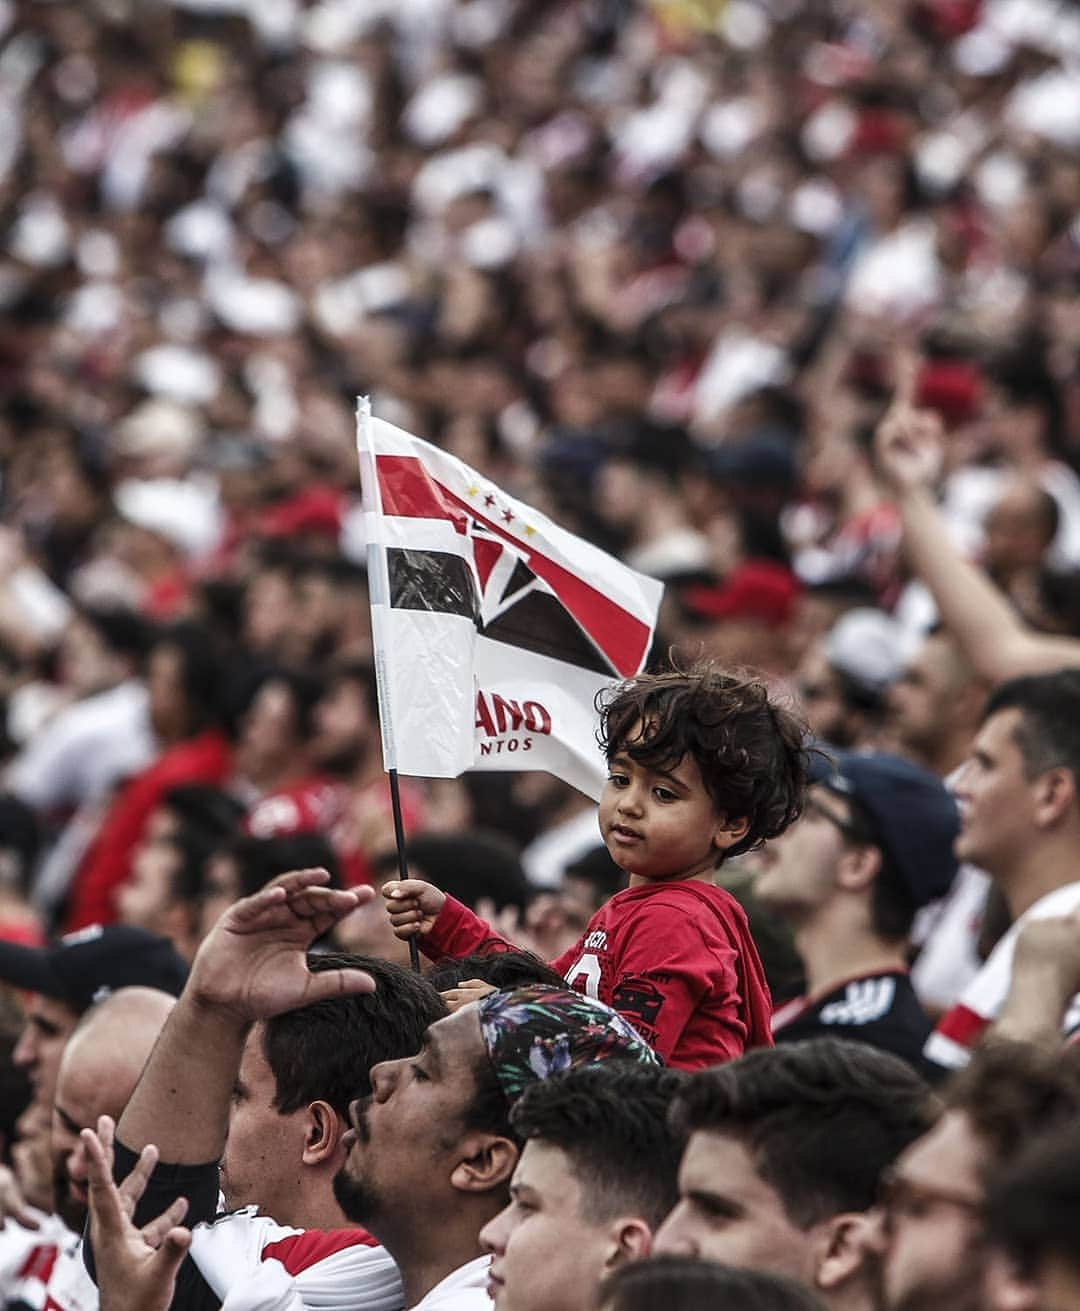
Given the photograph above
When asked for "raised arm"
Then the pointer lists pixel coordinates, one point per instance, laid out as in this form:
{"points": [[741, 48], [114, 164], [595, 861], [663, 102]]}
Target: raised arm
{"points": [[995, 641], [251, 966]]}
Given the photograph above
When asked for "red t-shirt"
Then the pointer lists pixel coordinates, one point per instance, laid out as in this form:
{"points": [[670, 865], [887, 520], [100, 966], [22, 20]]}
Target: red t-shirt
{"points": [[675, 959]]}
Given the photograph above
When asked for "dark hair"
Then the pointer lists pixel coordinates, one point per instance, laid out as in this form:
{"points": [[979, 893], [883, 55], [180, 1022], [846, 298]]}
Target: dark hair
{"points": [[192, 848], [123, 631], [325, 1051], [471, 866], [611, 1120], [688, 1283], [258, 860], [1010, 1092], [206, 810], [500, 968], [201, 671], [1033, 1206], [599, 871], [751, 751], [1048, 734], [821, 1119]]}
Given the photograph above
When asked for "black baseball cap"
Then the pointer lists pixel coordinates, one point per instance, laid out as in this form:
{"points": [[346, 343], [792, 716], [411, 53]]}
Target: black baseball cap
{"points": [[913, 813], [84, 966]]}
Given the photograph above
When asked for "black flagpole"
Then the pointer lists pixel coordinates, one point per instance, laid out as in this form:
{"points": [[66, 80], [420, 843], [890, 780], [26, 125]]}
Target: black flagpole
{"points": [[403, 868]]}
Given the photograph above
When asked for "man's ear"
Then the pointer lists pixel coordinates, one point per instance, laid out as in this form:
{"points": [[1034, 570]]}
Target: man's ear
{"points": [[1055, 796], [487, 1162], [322, 1133], [631, 1240], [726, 832], [858, 867], [842, 1250]]}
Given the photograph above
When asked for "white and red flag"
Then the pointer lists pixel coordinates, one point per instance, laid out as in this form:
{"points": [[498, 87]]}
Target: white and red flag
{"points": [[494, 628]]}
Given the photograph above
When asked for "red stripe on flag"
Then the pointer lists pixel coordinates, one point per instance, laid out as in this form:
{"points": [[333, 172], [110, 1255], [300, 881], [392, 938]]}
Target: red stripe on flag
{"points": [[408, 489], [962, 1025]]}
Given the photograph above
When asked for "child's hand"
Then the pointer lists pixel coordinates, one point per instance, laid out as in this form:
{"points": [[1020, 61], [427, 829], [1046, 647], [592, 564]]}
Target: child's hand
{"points": [[413, 906], [469, 990]]}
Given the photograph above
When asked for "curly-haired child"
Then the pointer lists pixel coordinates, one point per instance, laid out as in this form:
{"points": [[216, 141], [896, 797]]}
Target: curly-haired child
{"points": [[702, 766]]}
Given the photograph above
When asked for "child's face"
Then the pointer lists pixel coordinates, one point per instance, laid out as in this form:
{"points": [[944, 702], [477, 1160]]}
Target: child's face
{"points": [[661, 823]]}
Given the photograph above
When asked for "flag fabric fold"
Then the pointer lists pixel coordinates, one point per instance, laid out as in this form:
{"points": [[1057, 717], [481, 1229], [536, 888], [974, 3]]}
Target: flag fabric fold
{"points": [[494, 629]]}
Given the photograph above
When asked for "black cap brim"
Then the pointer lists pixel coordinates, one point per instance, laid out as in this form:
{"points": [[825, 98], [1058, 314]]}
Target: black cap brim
{"points": [[30, 968]]}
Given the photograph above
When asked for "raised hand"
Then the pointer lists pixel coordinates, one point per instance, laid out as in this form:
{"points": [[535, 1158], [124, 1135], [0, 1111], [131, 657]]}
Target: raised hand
{"points": [[413, 906], [136, 1268], [253, 963], [908, 444]]}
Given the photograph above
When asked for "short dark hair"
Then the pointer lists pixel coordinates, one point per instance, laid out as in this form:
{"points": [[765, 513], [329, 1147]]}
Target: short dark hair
{"points": [[821, 1119], [258, 860], [689, 1283], [611, 1120], [1048, 734], [750, 750], [1012, 1091], [1033, 1206], [325, 1051], [500, 968], [201, 671]]}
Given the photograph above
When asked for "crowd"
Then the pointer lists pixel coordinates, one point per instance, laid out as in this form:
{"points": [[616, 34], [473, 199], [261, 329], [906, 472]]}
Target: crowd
{"points": [[778, 301]]}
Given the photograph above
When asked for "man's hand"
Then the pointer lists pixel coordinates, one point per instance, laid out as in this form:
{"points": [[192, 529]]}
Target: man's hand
{"points": [[253, 963], [908, 444], [13, 1206], [136, 1268], [413, 906]]}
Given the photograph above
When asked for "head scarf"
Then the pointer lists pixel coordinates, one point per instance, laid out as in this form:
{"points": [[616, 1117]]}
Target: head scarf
{"points": [[535, 1031]]}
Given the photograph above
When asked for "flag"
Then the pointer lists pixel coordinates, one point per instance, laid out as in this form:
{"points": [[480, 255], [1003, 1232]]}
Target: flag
{"points": [[494, 629]]}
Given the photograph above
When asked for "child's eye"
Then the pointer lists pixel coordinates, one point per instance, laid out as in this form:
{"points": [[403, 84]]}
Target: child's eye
{"points": [[419, 1074], [618, 780], [664, 794]]}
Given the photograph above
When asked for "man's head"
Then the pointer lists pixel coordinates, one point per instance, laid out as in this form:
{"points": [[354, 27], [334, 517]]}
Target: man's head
{"points": [[1018, 791], [346, 719], [163, 894], [98, 1072], [687, 1283], [435, 1138], [1032, 1221], [596, 1176], [935, 704], [69, 976], [931, 1235], [749, 750], [298, 1075], [874, 842], [785, 1148]]}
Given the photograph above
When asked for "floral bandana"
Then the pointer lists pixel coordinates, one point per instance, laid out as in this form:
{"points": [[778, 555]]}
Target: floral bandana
{"points": [[535, 1031]]}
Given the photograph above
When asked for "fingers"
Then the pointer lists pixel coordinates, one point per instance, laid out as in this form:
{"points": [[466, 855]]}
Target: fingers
{"points": [[170, 1255], [403, 889], [158, 1231], [106, 1207], [326, 984], [133, 1187], [12, 1202]]}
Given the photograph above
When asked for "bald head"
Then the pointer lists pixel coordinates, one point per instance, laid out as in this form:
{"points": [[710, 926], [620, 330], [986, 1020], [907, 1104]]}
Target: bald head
{"points": [[99, 1069]]}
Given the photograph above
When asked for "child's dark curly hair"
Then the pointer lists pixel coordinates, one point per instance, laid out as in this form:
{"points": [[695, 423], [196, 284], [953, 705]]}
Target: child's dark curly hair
{"points": [[752, 752]]}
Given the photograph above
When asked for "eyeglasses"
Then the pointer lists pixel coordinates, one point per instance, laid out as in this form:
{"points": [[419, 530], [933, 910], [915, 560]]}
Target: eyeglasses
{"points": [[899, 1196], [853, 832]]}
